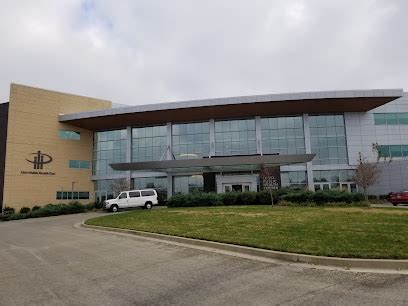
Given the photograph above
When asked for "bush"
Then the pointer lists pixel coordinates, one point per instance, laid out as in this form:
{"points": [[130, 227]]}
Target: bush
{"points": [[303, 197], [35, 208], [24, 210], [8, 210], [195, 199], [323, 197], [48, 210]]}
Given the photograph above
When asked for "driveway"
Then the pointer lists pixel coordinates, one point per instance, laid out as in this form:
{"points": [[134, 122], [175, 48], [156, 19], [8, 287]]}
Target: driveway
{"points": [[48, 261]]}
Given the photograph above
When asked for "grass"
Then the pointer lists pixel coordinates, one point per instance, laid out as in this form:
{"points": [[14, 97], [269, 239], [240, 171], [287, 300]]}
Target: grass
{"points": [[340, 232]]}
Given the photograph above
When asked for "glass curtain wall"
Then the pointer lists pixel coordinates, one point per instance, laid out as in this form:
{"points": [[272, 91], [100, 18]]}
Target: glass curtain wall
{"points": [[149, 143], [103, 190], [191, 140], [283, 135], [188, 184], [157, 183], [109, 147], [294, 179], [328, 139], [235, 137], [334, 179]]}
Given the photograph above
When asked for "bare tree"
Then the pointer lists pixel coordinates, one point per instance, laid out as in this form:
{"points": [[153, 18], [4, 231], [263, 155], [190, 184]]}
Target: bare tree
{"points": [[366, 174], [269, 180], [119, 185]]}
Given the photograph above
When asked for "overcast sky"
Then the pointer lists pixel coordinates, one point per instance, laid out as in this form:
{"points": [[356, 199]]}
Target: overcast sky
{"points": [[137, 52]]}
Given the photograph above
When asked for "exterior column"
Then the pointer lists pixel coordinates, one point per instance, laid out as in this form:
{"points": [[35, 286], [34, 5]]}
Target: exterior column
{"points": [[169, 142], [212, 137], [129, 153], [309, 167], [169, 186], [258, 129]]}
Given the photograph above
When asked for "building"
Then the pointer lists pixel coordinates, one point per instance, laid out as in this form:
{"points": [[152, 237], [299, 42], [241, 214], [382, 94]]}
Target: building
{"points": [[57, 147]]}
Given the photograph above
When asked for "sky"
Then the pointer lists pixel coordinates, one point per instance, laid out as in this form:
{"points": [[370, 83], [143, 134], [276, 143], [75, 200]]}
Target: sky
{"points": [[149, 51]]}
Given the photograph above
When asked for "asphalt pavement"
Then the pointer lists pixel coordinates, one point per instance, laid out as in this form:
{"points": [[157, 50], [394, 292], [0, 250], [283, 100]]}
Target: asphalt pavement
{"points": [[48, 261]]}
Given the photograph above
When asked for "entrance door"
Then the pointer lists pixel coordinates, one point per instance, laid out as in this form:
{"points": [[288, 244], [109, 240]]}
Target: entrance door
{"points": [[237, 188]]}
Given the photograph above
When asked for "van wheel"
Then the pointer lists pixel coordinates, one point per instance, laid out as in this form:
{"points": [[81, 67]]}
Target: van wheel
{"points": [[148, 205], [114, 208], [395, 204]]}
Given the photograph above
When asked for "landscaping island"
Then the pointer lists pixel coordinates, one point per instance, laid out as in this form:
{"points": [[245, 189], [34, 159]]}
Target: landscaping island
{"points": [[349, 232]]}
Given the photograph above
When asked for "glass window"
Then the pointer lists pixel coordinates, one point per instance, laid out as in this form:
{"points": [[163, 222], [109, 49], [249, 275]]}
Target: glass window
{"points": [[294, 179], [74, 164], [191, 140], [109, 148], [403, 118], [328, 140], [123, 195], [383, 151], [72, 135], [134, 194], [82, 195], [188, 184], [283, 135], [147, 193], [149, 143], [390, 118], [235, 137], [395, 151], [334, 177]]}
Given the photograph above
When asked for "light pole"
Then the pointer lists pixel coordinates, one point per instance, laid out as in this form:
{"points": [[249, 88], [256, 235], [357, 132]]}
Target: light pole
{"points": [[72, 190]]}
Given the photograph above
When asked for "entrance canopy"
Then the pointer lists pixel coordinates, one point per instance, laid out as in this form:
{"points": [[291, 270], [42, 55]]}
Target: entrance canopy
{"points": [[216, 163]]}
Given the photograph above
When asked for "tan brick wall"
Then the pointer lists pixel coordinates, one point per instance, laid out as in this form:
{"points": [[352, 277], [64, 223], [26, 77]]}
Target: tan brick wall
{"points": [[33, 126]]}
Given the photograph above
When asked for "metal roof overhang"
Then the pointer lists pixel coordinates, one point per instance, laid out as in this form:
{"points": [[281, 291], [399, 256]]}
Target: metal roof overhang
{"points": [[214, 164], [235, 107]]}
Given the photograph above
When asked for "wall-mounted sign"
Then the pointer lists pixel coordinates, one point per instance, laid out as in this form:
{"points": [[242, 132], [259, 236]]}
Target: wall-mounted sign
{"points": [[38, 160]]}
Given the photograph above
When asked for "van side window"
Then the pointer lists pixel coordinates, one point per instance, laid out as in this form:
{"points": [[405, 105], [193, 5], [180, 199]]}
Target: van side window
{"points": [[134, 194], [147, 193], [123, 195]]}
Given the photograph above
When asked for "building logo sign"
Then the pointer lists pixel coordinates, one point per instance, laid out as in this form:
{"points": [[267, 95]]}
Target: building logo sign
{"points": [[39, 159]]}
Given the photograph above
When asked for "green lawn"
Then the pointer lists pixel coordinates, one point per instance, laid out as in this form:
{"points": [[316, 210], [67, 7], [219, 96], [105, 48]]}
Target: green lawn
{"points": [[342, 232]]}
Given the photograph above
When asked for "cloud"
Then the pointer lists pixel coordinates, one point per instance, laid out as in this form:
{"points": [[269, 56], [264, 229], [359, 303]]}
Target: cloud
{"points": [[136, 52]]}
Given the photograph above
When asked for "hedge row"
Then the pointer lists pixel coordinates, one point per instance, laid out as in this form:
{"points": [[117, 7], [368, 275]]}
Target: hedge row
{"points": [[48, 210], [321, 197], [264, 198]]}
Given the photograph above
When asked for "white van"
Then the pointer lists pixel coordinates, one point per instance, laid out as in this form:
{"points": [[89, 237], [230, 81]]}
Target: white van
{"points": [[134, 198]]}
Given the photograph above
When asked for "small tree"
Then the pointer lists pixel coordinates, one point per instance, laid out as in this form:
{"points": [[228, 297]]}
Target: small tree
{"points": [[119, 185], [269, 180], [366, 174]]}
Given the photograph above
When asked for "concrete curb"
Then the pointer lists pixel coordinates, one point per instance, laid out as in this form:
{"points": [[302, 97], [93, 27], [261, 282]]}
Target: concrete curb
{"points": [[373, 265]]}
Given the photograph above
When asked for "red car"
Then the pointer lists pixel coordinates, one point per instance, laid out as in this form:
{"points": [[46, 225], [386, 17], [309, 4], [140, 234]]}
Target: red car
{"points": [[398, 197]]}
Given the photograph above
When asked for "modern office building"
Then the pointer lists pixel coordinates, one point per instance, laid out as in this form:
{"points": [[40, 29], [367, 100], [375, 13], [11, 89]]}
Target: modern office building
{"points": [[57, 147]]}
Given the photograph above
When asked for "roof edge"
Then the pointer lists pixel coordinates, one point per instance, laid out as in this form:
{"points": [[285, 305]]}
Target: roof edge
{"points": [[360, 93]]}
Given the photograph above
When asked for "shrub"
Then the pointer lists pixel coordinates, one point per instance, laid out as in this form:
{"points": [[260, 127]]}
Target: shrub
{"points": [[230, 198], [195, 199], [24, 210], [323, 197], [8, 210], [298, 196], [303, 197], [264, 198], [35, 208], [48, 210], [247, 198]]}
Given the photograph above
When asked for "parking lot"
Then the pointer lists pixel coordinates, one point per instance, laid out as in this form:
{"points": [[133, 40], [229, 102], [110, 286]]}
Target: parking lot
{"points": [[49, 261]]}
